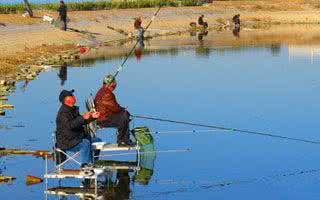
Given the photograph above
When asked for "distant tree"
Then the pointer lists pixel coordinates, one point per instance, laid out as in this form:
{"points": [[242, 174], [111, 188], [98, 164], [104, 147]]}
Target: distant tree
{"points": [[28, 7]]}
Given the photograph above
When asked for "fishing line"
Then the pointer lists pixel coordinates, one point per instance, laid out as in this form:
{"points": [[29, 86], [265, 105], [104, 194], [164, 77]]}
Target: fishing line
{"points": [[137, 42], [229, 129], [149, 152], [186, 131]]}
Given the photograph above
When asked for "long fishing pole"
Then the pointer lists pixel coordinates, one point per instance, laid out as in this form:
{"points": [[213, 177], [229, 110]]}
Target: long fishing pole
{"points": [[137, 42], [228, 129]]}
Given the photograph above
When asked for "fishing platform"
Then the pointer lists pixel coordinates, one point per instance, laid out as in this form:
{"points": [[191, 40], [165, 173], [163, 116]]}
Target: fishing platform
{"points": [[91, 173], [99, 169]]}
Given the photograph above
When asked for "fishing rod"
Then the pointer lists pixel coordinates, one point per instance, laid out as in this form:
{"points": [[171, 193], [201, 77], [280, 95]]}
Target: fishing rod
{"points": [[137, 42], [228, 129]]}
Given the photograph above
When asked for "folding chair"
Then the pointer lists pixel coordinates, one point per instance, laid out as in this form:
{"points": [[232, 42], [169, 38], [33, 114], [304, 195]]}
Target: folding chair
{"points": [[62, 157]]}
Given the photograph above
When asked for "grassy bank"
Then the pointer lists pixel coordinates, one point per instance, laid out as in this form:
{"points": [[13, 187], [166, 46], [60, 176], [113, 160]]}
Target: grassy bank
{"points": [[100, 5]]}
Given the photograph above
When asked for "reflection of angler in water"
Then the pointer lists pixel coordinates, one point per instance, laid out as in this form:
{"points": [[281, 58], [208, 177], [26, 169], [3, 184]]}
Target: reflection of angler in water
{"points": [[236, 32], [118, 189], [138, 52], [63, 74], [25, 85], [202, 34]]}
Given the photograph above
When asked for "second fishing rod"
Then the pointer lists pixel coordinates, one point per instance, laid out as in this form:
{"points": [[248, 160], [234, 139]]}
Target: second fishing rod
{"points": [[137, 42]]}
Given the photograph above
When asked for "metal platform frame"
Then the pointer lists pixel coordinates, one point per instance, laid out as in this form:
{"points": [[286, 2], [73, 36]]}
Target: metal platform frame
{"points": [[107, 147], [59, 173]]}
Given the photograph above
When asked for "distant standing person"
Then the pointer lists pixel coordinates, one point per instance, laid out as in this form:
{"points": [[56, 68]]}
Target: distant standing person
{"points": [[63, 15], [138, 27], [236, 21], [201, 22]]}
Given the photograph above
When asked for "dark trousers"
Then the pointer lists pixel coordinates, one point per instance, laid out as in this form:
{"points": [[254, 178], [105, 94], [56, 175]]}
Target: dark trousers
{"points": [[63, 25], [121, 122]]}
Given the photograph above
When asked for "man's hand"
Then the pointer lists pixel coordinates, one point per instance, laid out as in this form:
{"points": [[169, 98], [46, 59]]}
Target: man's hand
{"points": [[95, 115], [86, 115]]}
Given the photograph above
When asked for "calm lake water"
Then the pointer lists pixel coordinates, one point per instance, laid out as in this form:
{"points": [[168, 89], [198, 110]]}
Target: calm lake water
{"points": [[255, 88]]}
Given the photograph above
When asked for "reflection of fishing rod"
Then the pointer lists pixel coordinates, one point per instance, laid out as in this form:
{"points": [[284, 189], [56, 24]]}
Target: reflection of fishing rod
{"points": [[229, 129], [149, 152], [210, 184], [133, 48], [205, 185]]}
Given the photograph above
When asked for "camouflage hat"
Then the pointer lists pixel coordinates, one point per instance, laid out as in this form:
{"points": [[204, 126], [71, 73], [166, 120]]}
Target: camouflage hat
{"points": [[109, 79]]}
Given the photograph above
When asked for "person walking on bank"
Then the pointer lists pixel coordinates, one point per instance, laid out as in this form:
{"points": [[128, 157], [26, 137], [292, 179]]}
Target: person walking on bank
{"points": [[63, 15], [70, 134], [111, 113]]}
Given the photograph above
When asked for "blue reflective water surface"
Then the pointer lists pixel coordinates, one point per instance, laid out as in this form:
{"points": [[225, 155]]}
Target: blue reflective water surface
{"points": [[252, 88]]}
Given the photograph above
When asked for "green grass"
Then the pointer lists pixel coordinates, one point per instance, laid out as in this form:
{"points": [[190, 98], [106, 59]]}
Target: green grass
{"points": [[100, 5]]}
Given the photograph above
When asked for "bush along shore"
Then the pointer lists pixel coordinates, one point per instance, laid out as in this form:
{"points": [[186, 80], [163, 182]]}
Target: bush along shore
{"points": [[100, 5]]}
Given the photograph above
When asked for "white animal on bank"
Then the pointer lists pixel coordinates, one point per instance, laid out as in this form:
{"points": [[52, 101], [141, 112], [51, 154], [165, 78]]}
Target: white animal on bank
{"points": [[47, 18], [25, 14]]}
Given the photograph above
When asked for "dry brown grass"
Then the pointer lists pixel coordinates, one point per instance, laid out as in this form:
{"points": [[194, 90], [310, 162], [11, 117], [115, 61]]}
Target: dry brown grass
{"points": [[6, 68], [18, 19], [8, 63], [267, 5]]}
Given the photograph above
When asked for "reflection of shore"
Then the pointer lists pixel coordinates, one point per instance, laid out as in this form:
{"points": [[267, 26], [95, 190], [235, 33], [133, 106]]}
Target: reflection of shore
{"points": [[308, 52], [6, 87]]}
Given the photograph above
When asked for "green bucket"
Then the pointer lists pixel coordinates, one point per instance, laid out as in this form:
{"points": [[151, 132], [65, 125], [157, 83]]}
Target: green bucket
{"points": [[142, 135]]}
